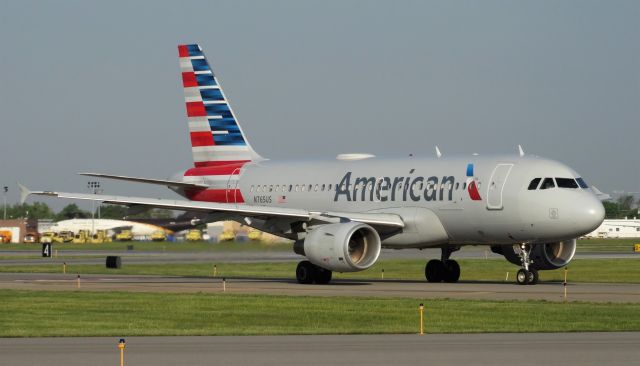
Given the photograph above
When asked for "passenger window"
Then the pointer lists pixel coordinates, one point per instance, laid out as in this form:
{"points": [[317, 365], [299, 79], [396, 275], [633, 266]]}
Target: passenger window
{"points": [[566, 183], [271, 188], [290, 187], [297, 188], [329, 186], [582, 183], [310, 185], [534, 184], [323, 186], [547, 183], [315, 188], [457, 185], [251, 190]]}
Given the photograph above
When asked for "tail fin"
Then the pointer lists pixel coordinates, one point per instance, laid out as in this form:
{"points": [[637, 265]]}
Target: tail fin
{"points": [[216, 137]]}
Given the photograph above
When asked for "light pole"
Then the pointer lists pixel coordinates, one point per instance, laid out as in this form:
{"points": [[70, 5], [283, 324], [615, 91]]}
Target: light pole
{"points": [[94, 187], [6, 189]]}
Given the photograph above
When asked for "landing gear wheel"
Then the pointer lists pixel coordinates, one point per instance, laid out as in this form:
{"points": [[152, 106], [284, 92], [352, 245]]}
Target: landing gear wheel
{"points": [[523, 277], [322, 276], [434, 271], [451, 271], [533, 276], [305, 272]]}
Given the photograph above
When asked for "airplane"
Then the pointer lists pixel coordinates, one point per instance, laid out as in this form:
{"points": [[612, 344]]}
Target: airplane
{"points": [[340, 213]]}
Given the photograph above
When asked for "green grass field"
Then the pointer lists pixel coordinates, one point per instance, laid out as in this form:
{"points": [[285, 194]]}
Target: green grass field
{"points": [[584, 246], [158, 246], [47, 314], [580, 270], [606, 245]]}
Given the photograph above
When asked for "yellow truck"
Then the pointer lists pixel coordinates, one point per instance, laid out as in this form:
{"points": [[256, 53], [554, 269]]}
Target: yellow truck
{"points": [[194, 235], [82, 237], [227, 235], [63, 237], [254, 234], [124, 235], [47, 237], [100, 237], [159, 235]]}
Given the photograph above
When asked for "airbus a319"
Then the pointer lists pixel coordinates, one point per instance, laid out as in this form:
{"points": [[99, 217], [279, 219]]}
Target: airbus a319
{"points": [[341, 212]]}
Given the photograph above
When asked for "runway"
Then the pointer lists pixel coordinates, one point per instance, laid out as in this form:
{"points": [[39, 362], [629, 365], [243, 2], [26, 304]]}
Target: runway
{"points": [[604, 292], [584, 349]]}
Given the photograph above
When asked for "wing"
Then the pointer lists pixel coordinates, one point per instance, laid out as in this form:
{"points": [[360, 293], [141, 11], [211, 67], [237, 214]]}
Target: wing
{"points": [[268, 216]]}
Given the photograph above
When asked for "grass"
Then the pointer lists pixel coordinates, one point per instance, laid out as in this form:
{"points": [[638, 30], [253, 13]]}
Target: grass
{"points": [[200, 246], [580, 270], [606, 245], [584, 246], [47, 314]]}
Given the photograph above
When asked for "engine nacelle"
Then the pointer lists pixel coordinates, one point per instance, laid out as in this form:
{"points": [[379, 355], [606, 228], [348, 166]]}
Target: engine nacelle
{"points": [[346, 247], [544, 256]]}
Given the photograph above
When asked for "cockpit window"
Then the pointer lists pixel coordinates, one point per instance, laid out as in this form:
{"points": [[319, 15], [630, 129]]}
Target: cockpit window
{"points": [[534, 184], [547, 183], [566, 183], [582, 183]]}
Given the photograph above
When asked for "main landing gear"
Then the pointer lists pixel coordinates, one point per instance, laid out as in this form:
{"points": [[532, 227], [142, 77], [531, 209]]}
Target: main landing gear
{"points": [[526, 275], [443, 270], [308, 273]]}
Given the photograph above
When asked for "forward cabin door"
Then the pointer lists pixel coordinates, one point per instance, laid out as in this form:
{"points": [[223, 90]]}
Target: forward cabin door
{"points": [[496, 186]]}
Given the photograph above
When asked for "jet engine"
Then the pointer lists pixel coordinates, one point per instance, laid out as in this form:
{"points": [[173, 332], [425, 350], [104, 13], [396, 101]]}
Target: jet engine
{"points": [[544, 256], [345, 247]]}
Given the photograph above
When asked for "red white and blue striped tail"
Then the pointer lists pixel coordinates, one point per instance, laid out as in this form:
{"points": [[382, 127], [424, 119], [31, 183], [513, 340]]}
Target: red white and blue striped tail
{"points": [[216, 136]]}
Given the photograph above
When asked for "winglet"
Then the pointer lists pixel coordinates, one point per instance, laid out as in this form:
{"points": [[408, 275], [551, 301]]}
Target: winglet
{"points": [[438, 153], [24, 193], [601, 196], [520, 151]]}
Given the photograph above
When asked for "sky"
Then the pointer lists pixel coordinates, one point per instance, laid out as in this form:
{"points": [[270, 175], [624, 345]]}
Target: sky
{"points": [[95, 86]]}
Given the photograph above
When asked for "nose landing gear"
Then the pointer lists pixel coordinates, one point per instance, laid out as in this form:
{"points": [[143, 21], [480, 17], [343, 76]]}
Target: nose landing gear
{"points": [[526, 275], [443, 270]]}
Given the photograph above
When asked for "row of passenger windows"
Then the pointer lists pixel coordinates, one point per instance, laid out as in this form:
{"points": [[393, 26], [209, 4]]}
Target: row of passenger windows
{"points": [[331, 187], [548, 183]]}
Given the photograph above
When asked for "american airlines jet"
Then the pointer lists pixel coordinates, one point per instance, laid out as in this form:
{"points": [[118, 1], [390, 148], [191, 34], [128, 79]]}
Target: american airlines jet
{"points": [[340, 213]]}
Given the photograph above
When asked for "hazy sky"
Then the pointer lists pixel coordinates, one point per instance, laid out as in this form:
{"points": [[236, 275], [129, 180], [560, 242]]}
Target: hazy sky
{"points": [[95, 86]]}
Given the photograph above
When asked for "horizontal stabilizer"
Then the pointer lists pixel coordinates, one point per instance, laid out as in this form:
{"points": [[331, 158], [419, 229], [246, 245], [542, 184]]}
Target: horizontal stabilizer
{"points": [[162, 182]]}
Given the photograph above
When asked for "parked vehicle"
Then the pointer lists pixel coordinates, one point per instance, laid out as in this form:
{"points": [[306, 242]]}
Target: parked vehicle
{"points": [[194, 235], [159, 235], [124, 235]]}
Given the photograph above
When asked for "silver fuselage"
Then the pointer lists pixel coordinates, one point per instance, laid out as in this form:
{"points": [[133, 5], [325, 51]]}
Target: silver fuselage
{"points": [[431, 195]]}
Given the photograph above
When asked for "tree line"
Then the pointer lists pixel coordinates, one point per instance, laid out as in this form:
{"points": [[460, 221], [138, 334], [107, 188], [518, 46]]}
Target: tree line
{"points": [[622, 207], [40, 210]]}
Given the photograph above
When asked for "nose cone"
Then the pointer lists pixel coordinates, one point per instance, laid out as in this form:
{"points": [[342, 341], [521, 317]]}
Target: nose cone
{"points": [[590, 215]]}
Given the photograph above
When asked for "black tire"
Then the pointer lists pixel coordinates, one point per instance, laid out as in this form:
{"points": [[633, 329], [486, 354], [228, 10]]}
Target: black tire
{"points": [[434, 271], [533, 277], [322, 276], [304, 272], [452, 271], [523, 276]]}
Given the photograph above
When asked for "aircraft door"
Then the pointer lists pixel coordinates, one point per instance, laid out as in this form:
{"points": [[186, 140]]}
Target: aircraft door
{"points": [[496, 186]]}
